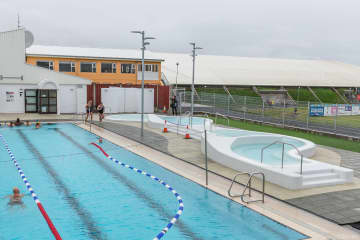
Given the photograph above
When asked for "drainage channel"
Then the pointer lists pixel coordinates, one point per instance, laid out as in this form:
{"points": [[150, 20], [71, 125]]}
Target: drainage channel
{"points": [[92, 230]]}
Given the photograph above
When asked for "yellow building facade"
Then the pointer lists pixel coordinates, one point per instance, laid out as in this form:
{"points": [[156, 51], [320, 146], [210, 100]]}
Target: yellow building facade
{"points": [[101, 70]]}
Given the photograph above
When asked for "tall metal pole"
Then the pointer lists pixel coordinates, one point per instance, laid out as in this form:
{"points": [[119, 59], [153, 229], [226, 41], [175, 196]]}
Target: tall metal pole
{"points": [[142, 82], [177, 72], [143, 44], [192, 84], [193, 78]]}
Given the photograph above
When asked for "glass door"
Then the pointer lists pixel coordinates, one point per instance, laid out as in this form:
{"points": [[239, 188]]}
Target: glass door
{"points": [[48, 101], [31, 101]]}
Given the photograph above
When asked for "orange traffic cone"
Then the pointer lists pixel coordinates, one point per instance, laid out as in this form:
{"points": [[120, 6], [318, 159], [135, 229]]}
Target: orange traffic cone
{"points": [[187, 135], [164, 110], [165, 128]]}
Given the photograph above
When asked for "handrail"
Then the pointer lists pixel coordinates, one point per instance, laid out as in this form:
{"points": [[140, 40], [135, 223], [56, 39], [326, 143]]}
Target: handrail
{"points": [[232, 183], [222, 115], [283, 150], [248, 187]]}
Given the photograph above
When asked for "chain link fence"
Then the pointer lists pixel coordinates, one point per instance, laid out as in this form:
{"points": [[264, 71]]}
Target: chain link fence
{"points": [[285, 113]]}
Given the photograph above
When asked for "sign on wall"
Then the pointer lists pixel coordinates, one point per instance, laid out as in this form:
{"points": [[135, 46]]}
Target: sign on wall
{"points": [[10, 96], [316, 110]]}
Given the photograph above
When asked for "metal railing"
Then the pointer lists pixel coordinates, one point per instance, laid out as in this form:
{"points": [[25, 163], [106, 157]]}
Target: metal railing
{"points": [[223, 116], [283, 152], [248, 187], [289, 113]]}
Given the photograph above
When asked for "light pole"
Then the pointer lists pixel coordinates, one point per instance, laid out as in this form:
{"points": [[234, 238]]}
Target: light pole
{"points": [[193, 78], [143, 45], [177, 72]]}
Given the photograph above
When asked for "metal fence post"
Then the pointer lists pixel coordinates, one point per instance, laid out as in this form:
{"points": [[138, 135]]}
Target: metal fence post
{"points": [[206, 159], [244, 108], [214, 103], [283, 113], [336, 113], [180, 102], [308, 115], [263, 111], [228, 102]]}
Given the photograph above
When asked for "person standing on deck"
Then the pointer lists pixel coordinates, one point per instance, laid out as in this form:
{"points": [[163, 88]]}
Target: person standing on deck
{"points": [[174, 105], [89, 110]]}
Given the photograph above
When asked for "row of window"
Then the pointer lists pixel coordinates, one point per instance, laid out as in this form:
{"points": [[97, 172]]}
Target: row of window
{"points": [[91, 67]]}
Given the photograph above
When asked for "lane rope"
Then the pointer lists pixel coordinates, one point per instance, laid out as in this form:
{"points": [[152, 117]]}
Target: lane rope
{"points": [[31, 190], [180, 201]]}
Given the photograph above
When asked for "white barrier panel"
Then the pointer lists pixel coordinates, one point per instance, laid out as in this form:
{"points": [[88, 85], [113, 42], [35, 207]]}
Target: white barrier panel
{"points": [[131, 99], [148, 100], [128, 100], [341, 109]]}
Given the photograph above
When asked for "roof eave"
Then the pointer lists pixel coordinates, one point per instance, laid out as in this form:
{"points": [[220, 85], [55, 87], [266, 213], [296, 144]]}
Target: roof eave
{"points": [[94, 58]]}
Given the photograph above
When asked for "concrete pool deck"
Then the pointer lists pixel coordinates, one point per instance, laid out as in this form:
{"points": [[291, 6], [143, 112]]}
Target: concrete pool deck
{"points": [[302, 221]]}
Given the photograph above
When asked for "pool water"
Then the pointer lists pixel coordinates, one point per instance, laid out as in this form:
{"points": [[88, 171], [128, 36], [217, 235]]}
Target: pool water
{"points": [[89, 197], [272, 155], [184, 120], [127, 117]]}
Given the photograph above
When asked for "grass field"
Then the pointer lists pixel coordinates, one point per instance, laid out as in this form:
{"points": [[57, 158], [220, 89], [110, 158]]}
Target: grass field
{"points": [[318, 139]]}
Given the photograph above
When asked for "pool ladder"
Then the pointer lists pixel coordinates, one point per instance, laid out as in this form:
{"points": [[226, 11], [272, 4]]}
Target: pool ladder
{"points": [[248, 187]]}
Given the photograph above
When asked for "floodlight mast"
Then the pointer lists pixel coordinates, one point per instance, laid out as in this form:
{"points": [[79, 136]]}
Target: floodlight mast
{"points": [[193, 79], [177, 73], [143, 44]]}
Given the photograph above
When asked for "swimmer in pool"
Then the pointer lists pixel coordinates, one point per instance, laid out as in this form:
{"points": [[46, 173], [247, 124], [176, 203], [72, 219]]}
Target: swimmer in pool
{"points": [[16, 197]]}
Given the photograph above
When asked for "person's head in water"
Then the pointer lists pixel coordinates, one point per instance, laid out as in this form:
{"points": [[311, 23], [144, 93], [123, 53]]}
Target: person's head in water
{"points": [[16, 191], [18, 120]]}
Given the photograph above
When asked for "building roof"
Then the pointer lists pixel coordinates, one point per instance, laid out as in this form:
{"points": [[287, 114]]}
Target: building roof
{"points": [[226, 70], [92, 53], [245, 71]]}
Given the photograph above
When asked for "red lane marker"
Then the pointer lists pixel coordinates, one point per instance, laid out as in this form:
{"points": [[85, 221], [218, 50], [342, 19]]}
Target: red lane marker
{"points": [[49, 222], [100, 148]]}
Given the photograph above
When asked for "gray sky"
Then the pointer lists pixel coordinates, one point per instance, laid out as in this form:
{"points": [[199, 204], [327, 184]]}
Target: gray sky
{"points": [[310, 29]]}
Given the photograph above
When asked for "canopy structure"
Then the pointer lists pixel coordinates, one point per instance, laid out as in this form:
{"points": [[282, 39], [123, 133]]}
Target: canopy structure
{"points": [[245, 71]]}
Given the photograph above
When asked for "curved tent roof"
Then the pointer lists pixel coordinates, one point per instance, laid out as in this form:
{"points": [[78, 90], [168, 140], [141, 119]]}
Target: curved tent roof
{"points": [[245, 71]]}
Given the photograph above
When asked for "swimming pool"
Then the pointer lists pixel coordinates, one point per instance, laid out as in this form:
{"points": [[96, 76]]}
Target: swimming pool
{"points": [[183, 120], [127, 117], [89, 197]]}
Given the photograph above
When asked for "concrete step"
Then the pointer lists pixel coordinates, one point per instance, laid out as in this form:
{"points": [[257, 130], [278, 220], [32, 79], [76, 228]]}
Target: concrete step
{"points": [[326, 182], [316, 171], [320, 176]]}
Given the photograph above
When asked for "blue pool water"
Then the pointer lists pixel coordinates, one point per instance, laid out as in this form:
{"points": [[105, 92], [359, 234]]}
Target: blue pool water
{"points": [[89, 197], [184, 120], [127, 117]]}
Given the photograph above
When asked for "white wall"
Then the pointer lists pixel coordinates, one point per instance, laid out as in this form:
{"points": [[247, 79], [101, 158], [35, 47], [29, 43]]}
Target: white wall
{"points": [[153, 76], [119, 100], [13, 103], [148, 100]]}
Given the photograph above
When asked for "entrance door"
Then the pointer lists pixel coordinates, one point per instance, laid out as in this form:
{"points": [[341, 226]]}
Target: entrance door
{"points": [[48, 101], [31, 101]]}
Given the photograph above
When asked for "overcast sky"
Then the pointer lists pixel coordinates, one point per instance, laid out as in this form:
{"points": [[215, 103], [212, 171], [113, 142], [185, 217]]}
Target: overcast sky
{"points": [[306, 29]]}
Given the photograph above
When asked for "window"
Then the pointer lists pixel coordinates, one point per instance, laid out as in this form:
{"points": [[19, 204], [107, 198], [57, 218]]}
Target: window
{"points": [[88, 67], [45, 64], [155, 68], [66, 67], [108, 67], [149, 68], [127, 68]]}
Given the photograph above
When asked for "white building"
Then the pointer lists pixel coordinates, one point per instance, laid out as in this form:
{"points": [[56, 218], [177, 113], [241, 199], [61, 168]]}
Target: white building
{"points": [[26, 88]]}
